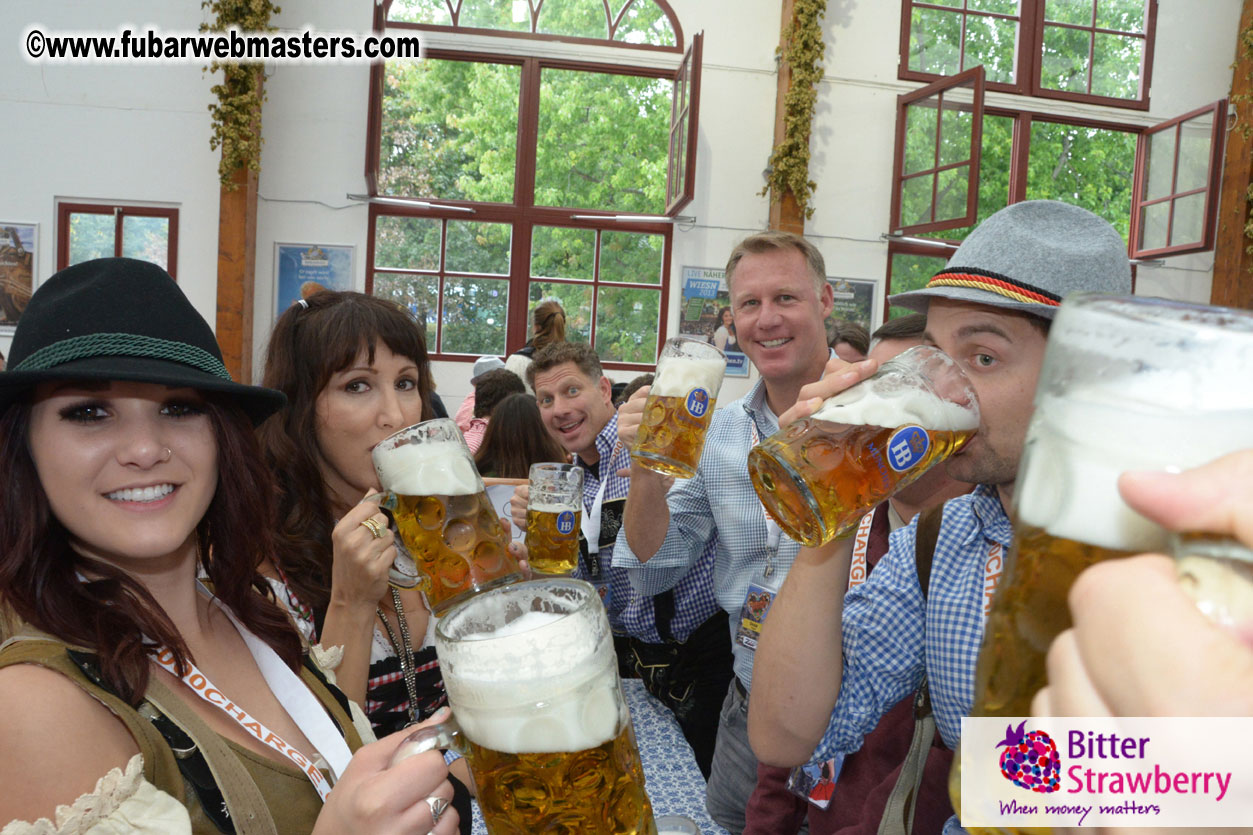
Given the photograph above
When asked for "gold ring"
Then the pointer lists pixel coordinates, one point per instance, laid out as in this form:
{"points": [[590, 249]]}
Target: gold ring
{"points": [[373, 527], [438, 805]]}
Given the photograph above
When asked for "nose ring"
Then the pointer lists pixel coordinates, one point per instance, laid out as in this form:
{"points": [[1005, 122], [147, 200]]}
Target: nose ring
{"points": [[169, 453]]}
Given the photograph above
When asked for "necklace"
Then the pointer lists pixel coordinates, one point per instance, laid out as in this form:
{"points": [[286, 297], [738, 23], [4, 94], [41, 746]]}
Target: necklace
{"points": [[404, 651]]}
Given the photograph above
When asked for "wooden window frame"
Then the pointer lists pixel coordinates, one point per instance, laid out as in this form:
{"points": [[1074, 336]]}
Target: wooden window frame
{"points": [[1028, 53], [119, 211]]}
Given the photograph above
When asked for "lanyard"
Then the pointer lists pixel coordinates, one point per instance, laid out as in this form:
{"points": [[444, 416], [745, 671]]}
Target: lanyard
{"points": [[591, 519], [292, 694], [861, 545], [992, 569]]}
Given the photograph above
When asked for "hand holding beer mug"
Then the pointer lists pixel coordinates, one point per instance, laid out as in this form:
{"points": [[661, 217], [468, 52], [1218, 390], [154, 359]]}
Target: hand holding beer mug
{"points": [[1128, 384], [445, 519], [679, 408], [817, 476], [554, 511], [533, 682]]}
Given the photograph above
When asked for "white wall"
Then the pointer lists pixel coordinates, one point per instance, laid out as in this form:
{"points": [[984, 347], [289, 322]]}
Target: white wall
{"points": [[141, 134]]}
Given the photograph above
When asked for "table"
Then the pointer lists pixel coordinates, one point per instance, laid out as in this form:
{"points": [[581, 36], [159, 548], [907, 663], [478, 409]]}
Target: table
{"points": [[674, 782]]}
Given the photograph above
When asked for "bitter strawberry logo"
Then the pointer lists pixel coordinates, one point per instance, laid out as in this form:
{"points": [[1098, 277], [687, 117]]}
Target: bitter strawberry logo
{"points": [[1030, 760]]}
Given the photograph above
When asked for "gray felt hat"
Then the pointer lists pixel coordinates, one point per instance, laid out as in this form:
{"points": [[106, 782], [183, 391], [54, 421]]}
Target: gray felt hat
{"points": [[1028, 257]]}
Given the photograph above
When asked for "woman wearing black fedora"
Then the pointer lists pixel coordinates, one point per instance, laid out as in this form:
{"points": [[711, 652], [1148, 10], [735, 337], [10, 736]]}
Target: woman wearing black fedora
{"points": [[135, 697]]}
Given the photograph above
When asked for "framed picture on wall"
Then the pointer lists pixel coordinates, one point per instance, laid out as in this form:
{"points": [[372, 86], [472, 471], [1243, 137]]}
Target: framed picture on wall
{"points": [[706, 315], [854, 301], [18, 253], [300, 270]]}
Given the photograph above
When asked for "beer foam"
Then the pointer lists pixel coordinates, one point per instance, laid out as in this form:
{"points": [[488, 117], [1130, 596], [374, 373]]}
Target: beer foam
{"points": [[1077, 446], [863, 406], [433, 468], [552, 507], [679, 375]]}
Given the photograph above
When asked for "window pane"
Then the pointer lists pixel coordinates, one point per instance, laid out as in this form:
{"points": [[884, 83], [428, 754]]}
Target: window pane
{"points": [[419, 294], [578, 18], [603, 141], [956, 4], [1153, 225], [991, 41], [410, 243], [994, 161], [1069, 11], [558, 252], [997, 6], [146, 238], [1189, 222], [935, 41], [576, 299], [1161, 164], [631, 257], [420, 11], [495, 14], [478, 247], [956, 125], [626, 324], [91, 236], [920, 125], [1087, 167], [1123, 15], [449, 130], [954, 185], [644, 23], [1065, 63], [910, 272], [1116, 71], [1195, 150], [474, 315], [916, 194]]}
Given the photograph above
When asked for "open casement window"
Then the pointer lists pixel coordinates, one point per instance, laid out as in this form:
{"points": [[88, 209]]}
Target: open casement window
{"points": [[1096, 51], [1176, 191], [936, 171], [680, 181], [94, 230]]}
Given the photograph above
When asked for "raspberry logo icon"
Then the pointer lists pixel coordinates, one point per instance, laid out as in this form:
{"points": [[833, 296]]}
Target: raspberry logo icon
{"points": [[1030, 760]]}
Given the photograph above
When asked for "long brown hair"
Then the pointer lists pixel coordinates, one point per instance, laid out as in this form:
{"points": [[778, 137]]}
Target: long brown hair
{"points": [[309, 345], [550, 323], [515, 439], [114, 616]]}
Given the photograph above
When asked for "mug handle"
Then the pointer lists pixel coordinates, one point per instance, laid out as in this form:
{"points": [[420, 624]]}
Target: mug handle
{"points": [[404, 572], [446, 735]]}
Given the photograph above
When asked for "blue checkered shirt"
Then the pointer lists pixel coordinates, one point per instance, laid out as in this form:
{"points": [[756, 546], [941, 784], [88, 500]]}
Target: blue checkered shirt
{"points": [[632, 613], [891, 634], [718, 508]]}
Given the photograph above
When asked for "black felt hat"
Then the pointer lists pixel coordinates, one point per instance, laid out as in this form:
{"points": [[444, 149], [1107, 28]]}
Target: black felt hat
{"points": [[121, 319]]}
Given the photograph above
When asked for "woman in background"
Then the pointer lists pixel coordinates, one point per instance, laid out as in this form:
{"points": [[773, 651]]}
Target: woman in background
{"points": [[724, 337], [515, 439], [548, 325]]}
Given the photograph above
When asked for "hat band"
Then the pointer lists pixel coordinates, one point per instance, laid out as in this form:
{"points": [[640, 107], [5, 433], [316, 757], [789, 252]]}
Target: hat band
{"points": [[122, 345], [994, 283]]}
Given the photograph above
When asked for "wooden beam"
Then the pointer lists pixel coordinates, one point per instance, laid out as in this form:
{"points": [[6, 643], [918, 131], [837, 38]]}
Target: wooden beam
{"points": [[237, 250], [785, 213], [1233, 265]]}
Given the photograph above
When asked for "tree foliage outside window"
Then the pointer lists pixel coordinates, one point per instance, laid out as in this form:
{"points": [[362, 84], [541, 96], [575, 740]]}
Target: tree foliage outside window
{"points": [[632, 21]]}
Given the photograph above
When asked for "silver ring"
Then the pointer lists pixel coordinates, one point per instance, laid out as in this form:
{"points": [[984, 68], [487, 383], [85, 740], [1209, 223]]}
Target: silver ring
{"points": [[438, 805]]}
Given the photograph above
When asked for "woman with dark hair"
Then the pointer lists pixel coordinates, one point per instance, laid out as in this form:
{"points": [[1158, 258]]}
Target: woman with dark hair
{"points": [[355, 371], [548, 325], [724, 337], [129, 688], [515, 439]]}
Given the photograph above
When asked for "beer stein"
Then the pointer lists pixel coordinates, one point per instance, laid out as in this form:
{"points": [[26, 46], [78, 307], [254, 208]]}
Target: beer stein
{"points": [[1127, 384], [456, 545], [554, 511], [679, 408], [818, 476], [539, 713]]}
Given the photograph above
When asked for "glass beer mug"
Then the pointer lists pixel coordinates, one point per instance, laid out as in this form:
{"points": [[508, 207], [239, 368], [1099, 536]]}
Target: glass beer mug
{"points": [[554, 511], [818, 476], [455, 542], [532, 680], [1127, 384], [679, 408]]}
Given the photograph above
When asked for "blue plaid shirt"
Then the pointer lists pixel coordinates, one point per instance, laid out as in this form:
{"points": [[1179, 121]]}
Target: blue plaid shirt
{"points": [[891, 634], [632, 613], [718, 509]]}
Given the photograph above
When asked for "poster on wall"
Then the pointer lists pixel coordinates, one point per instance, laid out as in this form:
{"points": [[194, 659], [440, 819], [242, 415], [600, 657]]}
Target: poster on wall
{"points": [[301, 270], [706, 314], [854, 301], [17, 270]]}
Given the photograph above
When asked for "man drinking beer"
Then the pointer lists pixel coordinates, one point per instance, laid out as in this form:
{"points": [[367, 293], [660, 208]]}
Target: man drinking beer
{"points": [[676, 641], [990, 310]]}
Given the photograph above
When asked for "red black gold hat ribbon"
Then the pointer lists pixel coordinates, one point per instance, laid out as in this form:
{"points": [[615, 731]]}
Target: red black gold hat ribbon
{"points": [[993, 283]]}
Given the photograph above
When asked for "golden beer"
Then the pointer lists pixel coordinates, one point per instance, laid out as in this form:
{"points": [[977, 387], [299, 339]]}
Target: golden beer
{"points": [[552, 538], [817, 478], [679, 407]]}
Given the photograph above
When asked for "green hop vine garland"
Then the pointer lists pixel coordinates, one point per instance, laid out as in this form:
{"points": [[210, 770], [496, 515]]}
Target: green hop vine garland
{"points": [[236, 117], [802, 51]]}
